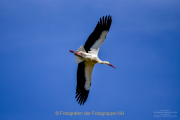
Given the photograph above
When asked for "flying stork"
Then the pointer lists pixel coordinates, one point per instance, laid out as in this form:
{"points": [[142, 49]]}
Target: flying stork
{"points": [[86, 57]]}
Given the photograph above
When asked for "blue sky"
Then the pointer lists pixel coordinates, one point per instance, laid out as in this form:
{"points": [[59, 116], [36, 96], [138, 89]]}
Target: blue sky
{"points": [[38, 73]]}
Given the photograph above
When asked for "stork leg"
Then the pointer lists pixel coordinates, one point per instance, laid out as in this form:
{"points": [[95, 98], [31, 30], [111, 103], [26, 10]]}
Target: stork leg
{"points": [[77, 53], [71, 51]]}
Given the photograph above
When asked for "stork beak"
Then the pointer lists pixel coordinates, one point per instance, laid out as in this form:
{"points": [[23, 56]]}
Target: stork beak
{"points": [[112, 66]]}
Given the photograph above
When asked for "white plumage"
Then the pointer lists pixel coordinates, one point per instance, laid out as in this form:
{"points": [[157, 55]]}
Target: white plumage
{"points": [[86, 57]]}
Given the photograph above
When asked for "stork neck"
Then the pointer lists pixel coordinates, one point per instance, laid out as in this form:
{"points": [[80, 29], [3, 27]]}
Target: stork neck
{"points": [[104, 62]]}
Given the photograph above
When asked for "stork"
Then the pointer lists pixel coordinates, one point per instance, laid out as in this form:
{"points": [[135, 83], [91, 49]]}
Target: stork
{"points": [[86, 57]]}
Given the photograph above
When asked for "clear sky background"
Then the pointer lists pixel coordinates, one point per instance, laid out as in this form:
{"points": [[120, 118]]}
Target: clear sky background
{"points": [[38, 73]]}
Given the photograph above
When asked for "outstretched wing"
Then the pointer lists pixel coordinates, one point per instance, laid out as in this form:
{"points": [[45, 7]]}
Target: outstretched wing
{"points": [[98, 36], [84, 73]]}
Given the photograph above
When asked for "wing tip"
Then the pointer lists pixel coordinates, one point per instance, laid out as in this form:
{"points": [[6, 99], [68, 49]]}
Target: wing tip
{"points": [[107, 16], [105, 21], [81, 97]]}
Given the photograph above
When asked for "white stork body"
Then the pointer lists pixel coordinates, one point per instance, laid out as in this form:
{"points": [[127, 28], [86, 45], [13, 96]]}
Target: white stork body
{"points": [[86, 57]]}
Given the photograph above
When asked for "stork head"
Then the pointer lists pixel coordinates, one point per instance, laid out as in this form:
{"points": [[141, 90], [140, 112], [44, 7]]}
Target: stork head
{"points": [[108, 63]]}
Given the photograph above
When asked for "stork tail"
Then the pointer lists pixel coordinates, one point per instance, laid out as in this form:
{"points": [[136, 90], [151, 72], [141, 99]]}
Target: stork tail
{"points": [[80, 49]]}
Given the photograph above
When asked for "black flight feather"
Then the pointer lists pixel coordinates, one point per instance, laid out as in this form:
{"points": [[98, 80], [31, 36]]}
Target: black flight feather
{"points": [[103, 24]]}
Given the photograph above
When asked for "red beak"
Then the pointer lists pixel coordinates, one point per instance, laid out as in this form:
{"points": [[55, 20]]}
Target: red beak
{"points": [[112, 66]]}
